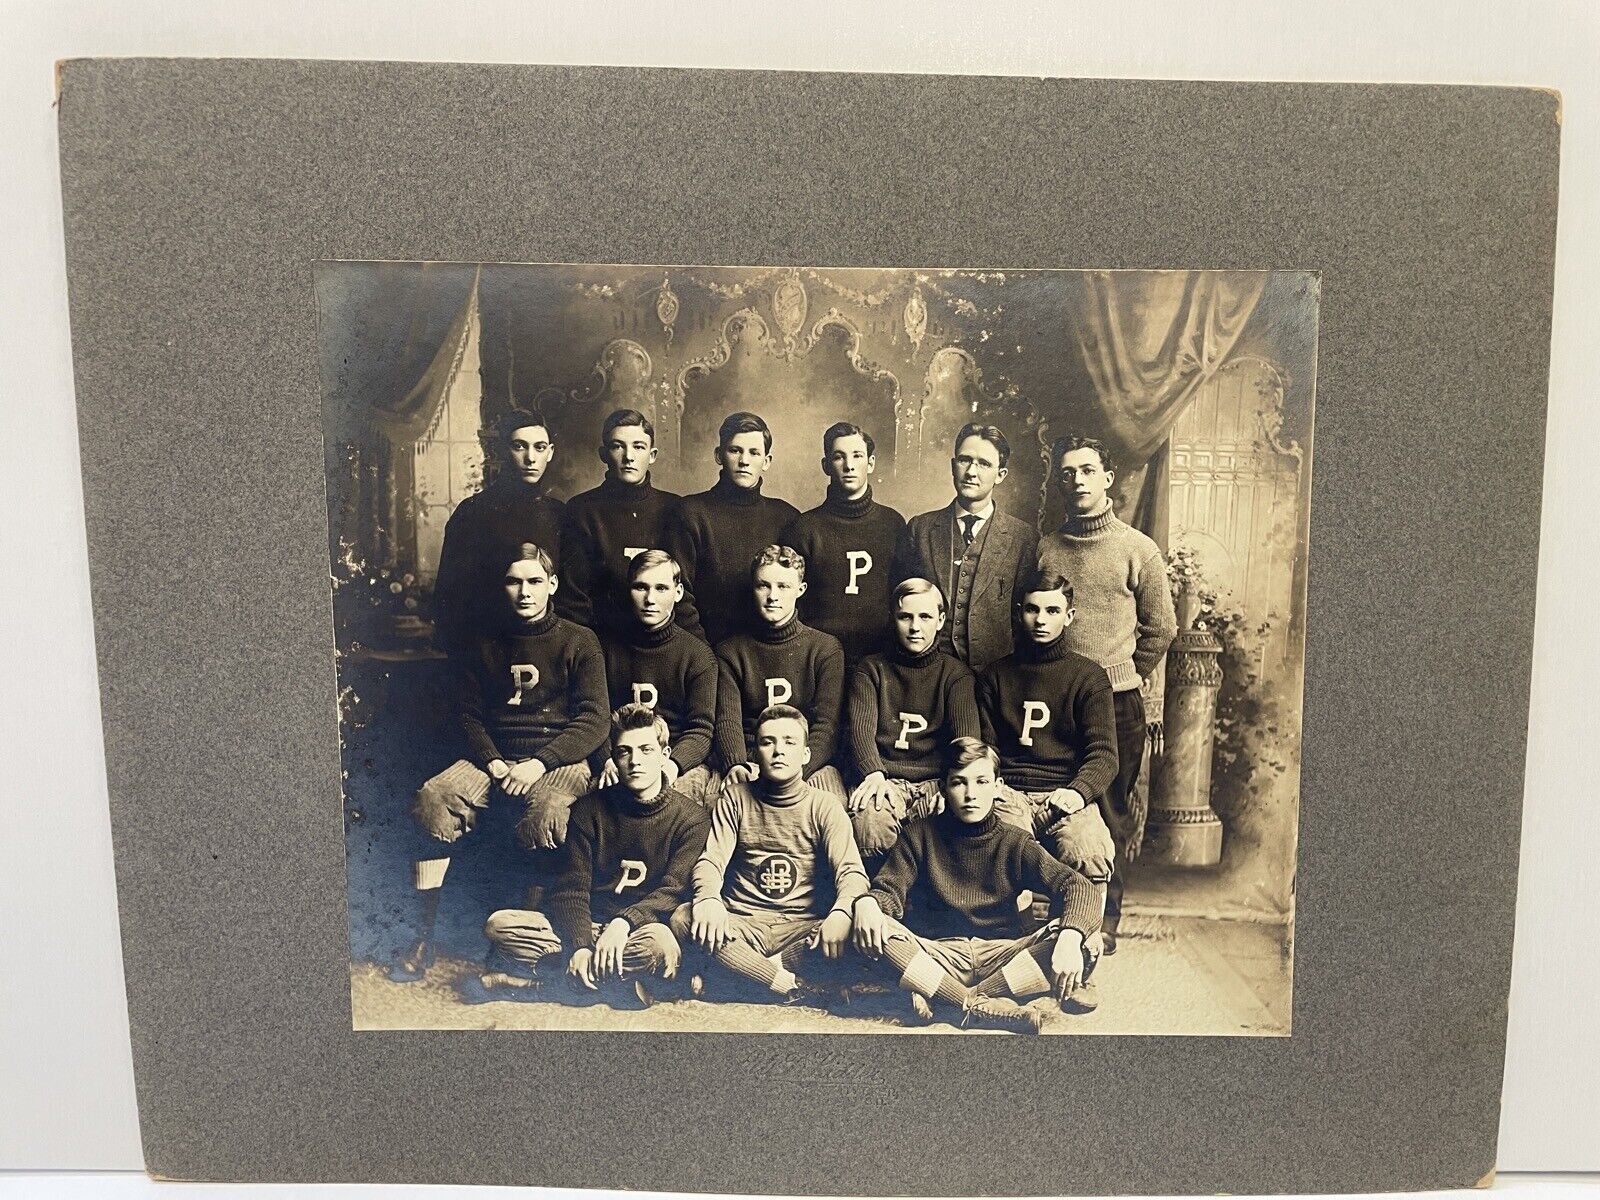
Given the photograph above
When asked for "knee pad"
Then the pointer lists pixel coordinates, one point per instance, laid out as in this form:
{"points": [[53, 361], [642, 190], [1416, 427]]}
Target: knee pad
{"points": [[441, 819], [876, 830], [499, 922], [545, 819]]}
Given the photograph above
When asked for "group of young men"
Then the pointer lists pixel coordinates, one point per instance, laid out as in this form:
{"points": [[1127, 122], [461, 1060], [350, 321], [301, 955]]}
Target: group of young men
{"points": [[771, 739]]}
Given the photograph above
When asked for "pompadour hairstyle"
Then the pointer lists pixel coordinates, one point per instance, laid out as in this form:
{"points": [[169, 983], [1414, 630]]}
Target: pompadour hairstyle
{"points": [[990, 434], [521, 418], [844, 429], [964, 751], [645, 559], [1071, 442], [1040, 580], [917, 586], [779, 556], [640, 716], [743, 422], [624, 417], [529, 550], [783, 712]]}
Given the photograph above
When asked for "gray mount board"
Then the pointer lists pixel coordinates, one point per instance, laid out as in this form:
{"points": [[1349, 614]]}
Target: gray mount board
{"points": [[199, 194]]}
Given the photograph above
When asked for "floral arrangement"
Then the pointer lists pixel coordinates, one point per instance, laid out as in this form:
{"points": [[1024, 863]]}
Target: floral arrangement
{"points": [[1199, 602], [378, 606]]}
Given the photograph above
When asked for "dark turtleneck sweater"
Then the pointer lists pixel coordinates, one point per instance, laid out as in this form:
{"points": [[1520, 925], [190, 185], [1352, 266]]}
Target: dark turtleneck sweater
{"points": [[849, 548], [1060, 702], [787, 664], [903, 709], [483, 534], [715, 535], [961, 880], [604, 528], [673, 672], [624, 858], [536, 691]]}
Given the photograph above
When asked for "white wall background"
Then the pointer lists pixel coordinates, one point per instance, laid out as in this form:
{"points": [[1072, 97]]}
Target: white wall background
{"points": [[66, 1098]]}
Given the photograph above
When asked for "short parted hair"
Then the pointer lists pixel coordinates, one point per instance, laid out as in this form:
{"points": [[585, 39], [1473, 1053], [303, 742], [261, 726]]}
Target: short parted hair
{"points": [[646, 559], [779, 556], [529, 550], [1070, 442], [917, 586], [844, 429], [964, 751], [783, 712], [743, 422], [624, 417], [640, 716], [990, 434], [520, 418], [1040, 579]]}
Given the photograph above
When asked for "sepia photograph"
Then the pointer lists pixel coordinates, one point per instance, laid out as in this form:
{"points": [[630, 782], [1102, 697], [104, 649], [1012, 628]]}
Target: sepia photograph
{"points": [[789, 649]]}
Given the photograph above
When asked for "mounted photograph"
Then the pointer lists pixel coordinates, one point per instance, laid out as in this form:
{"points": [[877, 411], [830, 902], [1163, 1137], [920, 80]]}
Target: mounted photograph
{"points": [[791, 649]]}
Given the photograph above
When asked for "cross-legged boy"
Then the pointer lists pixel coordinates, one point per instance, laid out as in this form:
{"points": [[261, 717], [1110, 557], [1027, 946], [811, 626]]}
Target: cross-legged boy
{"points": [[782, 660], [531, 705], [1048, 712], [629, 852], [960, 874], [849, 543], [778, 853], [903, 708], [652, 661]]}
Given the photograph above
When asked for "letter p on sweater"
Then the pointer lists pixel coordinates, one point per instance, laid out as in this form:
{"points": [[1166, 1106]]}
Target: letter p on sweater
{"points": [[1035, 715]]}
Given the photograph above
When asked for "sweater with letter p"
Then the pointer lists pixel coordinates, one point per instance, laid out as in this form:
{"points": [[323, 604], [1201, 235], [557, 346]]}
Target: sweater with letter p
{"points": [[785, 664], [849, 548], [624, 858], [1048, 713], [673, 672], [903, 709], [536, 691]]}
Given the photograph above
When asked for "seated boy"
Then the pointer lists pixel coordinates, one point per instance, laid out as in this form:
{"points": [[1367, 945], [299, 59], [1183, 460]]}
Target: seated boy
{"points": [[962, 873], [904, 707], [780, 660], [531, 704], [630, 848], [1048, 713], [777, 847], [652, 661]]}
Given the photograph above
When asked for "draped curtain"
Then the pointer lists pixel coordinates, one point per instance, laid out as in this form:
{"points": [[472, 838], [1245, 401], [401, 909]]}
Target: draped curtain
{"points": [[392, 335], [1148, 340]]}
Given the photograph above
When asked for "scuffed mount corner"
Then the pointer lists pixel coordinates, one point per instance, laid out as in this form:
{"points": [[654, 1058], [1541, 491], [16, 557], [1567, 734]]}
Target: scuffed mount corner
{"points": [[1555, 94], [1487, 1181]]}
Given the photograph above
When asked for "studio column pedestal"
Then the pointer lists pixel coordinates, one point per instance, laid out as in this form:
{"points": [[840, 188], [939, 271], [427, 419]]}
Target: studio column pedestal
{"points": [[1182, 829]]}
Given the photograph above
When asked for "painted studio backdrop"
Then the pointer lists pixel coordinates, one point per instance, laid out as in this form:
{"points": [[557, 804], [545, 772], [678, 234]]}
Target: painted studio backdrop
{"points": [[1199, 382]]}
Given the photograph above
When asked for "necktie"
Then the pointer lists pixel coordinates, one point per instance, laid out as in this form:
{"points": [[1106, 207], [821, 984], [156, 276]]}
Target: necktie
{"points": [[968, 524]]}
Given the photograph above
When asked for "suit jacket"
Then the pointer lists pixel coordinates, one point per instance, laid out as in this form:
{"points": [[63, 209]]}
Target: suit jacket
{"points": [[1009, 550]]}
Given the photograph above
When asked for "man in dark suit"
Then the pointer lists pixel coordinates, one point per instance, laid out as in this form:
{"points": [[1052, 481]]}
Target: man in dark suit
{"points": [[975, 553]]}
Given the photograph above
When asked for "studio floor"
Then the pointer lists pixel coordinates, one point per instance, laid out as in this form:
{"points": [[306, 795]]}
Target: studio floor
{"points": [[1170, 975]]}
